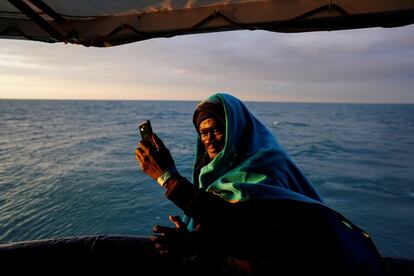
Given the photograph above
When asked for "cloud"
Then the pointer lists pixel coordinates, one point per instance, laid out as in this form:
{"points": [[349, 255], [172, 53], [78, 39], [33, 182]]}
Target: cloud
{"points": [[354, 65]]}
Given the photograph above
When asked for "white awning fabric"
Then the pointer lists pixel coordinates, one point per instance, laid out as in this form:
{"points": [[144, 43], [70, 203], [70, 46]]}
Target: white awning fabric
{"points": [[104, 23]]}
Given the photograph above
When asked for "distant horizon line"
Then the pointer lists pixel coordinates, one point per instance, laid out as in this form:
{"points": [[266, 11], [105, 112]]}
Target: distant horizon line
{"points": [[170, 100]]}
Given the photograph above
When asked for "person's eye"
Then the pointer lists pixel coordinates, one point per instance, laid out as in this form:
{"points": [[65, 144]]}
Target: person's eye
{"points": [[217, 131]]}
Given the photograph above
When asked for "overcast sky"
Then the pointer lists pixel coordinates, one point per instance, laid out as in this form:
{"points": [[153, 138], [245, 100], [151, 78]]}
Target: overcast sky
{"points": [[369, 65]]}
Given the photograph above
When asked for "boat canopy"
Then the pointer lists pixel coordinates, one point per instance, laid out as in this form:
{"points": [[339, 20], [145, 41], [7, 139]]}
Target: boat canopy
{"points": [[104, 23]]}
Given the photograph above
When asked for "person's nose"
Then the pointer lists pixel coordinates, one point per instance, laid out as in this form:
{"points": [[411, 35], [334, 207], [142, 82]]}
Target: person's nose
{"points": [[210, 137]]}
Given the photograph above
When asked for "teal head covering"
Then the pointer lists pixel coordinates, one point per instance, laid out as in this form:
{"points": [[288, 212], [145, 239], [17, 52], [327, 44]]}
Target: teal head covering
{"points": [[252, 163]]}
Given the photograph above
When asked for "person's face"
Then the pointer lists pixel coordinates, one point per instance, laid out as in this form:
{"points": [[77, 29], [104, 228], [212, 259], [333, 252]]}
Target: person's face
{"points": [[212, 136]]}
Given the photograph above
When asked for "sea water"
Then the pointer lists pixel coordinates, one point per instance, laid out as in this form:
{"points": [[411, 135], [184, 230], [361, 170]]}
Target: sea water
{"points": [[68, 168]]}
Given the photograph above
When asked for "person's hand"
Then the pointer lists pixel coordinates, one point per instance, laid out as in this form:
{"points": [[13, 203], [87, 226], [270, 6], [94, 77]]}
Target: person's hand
{"points": [[154, 158], [173, 240]]}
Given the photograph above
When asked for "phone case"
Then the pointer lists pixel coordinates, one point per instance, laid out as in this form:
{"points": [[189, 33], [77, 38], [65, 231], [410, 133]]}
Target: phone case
{"points": [[145, 130]]}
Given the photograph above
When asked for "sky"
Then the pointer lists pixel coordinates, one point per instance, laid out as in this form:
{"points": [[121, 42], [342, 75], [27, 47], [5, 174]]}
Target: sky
{"points": [[360, 66]]}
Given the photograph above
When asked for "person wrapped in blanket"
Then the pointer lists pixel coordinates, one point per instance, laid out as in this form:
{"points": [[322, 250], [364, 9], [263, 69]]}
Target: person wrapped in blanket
{"points": [[249, 209]]}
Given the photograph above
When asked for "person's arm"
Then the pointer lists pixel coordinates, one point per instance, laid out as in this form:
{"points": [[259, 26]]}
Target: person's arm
{"points": [[203, 206], [218, 218], [155, 160]]}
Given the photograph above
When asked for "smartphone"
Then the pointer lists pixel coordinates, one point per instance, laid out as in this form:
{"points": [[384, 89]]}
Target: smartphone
{"points": [[145, 130]]}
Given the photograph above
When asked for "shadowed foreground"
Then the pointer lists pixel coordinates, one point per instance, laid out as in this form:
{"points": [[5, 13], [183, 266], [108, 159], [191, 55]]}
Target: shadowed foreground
{"points": [[122, 255]]}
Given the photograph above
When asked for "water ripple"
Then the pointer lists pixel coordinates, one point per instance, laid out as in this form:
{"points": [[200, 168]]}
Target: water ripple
{"points": [[67, 168]]}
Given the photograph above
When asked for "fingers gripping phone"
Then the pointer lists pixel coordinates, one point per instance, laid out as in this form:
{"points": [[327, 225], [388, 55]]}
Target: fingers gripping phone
{"points": [[145, 130]]}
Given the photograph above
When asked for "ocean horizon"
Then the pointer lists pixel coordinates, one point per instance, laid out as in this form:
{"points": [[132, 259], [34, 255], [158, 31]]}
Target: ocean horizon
{"points": [[196, 101], [67, 167]]}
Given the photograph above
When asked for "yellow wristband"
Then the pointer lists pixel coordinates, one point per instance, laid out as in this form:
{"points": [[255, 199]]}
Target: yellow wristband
{"points": [[166, 175]]}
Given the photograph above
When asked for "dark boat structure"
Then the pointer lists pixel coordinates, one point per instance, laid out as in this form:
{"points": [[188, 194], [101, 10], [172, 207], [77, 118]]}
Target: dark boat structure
{"points": [[102, 23], [121, 255]]}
